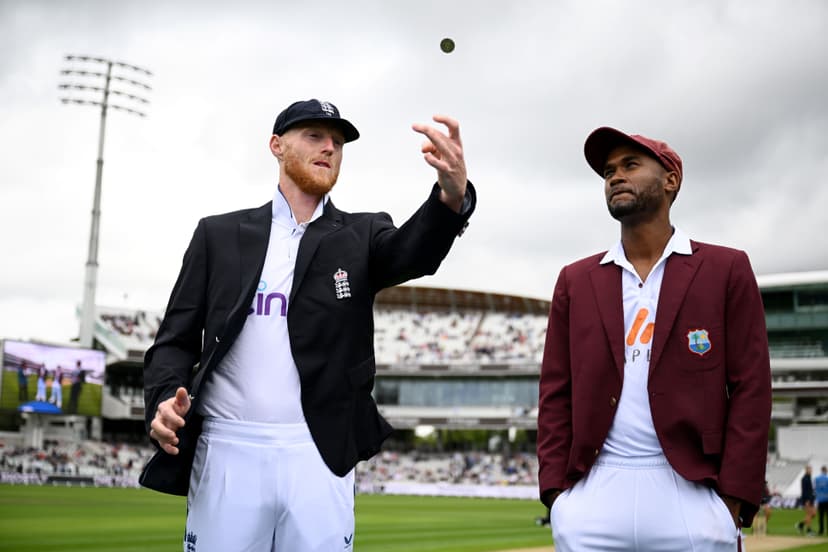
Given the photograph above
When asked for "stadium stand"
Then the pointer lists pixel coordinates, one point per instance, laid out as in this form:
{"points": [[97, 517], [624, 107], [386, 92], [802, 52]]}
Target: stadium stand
{"points": [[64, 462], [464, 360], [410, 337], [780, 474], [126, 333], [101, 464], [401, 336], [460, 468]]}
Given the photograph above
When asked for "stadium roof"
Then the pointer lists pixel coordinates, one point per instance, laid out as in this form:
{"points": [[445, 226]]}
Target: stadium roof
{"points": [[444, 298], [815, 278]]}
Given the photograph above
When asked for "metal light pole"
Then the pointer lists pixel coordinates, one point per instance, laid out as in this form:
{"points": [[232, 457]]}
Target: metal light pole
{"points": [[82, 76]]}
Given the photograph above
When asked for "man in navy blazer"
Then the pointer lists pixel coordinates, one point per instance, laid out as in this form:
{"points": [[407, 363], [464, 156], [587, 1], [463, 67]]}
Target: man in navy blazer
{"points": [[258, 386], [655, 388]]}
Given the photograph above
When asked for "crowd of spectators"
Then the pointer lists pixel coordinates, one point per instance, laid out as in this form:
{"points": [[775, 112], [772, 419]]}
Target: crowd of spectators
{"points": [[514, 337], [474, 468], [105, 464], [436, 337], [404, 336], [138, 326], [120, 465]]}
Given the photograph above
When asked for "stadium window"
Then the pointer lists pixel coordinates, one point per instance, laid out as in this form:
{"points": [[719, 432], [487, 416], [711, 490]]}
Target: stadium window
{"points": [[812, 300], [778, 301], [387, 392], [486, 392]]}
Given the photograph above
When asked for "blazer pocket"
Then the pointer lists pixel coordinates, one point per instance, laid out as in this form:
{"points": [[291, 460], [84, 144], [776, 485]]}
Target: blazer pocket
{"points": [[702, 349], [362, 374]]}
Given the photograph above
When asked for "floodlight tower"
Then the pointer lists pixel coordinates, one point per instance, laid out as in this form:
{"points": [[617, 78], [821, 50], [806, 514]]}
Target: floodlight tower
{"points": [[93, 87]]}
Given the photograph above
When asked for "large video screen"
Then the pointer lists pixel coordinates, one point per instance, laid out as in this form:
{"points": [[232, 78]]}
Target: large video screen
{"points": [[51, 379]]}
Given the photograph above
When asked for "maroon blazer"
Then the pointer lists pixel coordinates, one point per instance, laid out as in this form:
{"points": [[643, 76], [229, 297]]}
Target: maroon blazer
{"points": [[711, 411]]}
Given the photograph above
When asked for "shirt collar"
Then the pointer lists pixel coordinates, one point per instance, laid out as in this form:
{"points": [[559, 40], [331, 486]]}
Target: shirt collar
{"points": [[678, 243], [284, 215]]}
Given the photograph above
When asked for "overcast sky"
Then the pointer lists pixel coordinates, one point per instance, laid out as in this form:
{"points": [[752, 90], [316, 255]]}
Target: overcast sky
{"points": [[738, 88]]}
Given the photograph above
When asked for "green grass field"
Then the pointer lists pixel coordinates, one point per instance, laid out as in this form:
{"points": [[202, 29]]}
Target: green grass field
{"points": [[52, 519]]}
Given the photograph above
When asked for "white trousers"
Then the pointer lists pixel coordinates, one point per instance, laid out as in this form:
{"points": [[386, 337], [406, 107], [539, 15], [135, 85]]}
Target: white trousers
{"points": [[641, 505], [265, 488]]}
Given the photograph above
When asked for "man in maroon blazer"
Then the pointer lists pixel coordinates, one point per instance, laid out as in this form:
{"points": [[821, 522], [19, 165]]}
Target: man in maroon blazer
{"points": [[655, 392]]}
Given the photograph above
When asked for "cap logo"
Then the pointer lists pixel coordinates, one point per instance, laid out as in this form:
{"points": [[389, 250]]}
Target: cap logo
{"points": [[328, 108]]}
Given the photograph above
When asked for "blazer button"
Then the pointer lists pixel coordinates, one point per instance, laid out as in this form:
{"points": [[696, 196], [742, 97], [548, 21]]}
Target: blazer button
{"points": [[217, 339], [613, 401], [596, 452]]}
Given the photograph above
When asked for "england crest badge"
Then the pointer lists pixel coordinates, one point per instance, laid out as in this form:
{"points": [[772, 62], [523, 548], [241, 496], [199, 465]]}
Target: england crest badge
{"points": [[328, 108], [698, 341], [342, 286]]}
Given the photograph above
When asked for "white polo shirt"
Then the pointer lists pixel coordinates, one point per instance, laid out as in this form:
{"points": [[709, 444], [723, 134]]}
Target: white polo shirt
{"points": [[257, 380], [632, 432]]}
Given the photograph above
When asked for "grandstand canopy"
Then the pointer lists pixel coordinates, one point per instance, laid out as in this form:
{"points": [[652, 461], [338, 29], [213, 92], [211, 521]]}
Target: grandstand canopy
{"points": [[442, 298], [790, 280]]}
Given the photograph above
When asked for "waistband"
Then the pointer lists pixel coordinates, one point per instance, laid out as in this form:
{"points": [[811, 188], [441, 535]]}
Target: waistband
{"points": [[257, 432], [632, 462]]}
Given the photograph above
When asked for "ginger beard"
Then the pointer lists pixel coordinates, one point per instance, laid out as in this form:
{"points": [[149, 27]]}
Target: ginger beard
{"points": [[309, 178]]}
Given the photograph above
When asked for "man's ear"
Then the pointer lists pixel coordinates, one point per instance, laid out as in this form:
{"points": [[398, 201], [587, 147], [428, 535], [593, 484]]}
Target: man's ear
{"points": [[672, 184], [276, 147]]}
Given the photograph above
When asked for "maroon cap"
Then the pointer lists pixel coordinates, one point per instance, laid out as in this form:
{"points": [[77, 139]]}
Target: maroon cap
{"points": [[603, 140]]}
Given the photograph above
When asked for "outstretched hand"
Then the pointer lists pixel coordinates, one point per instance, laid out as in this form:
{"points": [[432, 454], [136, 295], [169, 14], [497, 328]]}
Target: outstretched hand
{"points": [[169, 418], [445, 153]]}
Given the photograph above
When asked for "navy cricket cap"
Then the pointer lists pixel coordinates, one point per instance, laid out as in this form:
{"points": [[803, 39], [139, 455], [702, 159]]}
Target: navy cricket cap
{"points": [[313, 110]]}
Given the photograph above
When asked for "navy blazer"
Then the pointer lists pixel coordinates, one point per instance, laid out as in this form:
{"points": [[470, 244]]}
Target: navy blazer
{"points": [[332, 339]]}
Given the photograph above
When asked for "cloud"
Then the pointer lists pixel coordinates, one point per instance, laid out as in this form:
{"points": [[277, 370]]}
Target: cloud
{"points": [[737, 89]]}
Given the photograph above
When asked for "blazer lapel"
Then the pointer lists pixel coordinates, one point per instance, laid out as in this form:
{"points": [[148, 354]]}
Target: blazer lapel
{"points": [[254, 235], [330, 221], [678, 273], [606, 284]]}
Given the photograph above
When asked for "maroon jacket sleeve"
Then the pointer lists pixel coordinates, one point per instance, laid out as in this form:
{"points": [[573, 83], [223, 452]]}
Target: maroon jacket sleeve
{"points": [[555, 400], [742, 473]]}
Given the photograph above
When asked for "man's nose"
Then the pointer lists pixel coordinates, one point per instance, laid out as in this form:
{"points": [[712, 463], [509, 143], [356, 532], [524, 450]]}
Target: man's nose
{"points": [[616, 178], [328, 144]]}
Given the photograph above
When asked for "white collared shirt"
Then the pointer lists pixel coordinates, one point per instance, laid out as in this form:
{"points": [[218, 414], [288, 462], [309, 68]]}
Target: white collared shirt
{"points": [[632, 432], [257, 380]]}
